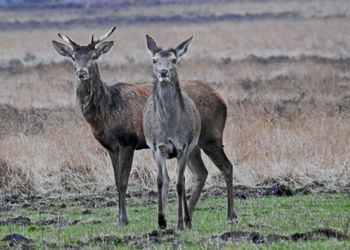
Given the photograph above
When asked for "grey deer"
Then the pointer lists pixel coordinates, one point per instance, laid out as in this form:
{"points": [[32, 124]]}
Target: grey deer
{"points": [[171, 124], [114, 114]]}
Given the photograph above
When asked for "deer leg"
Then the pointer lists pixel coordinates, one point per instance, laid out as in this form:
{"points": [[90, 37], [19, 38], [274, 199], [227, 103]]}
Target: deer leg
{"points": [[200, 172], [180, 188], [163, 184], [187, 214], [122, 161], [216, 153]]}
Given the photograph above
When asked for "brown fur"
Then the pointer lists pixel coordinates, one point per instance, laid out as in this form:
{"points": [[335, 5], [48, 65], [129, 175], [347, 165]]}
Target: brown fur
{"points": [[211, 105]]}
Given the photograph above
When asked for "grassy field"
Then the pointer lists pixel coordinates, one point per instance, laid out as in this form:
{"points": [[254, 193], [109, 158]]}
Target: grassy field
{"points": [[283, 67], [317, 220], [285, 78]]}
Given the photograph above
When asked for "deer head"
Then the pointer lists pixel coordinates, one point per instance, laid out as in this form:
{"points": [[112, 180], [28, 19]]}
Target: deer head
{"points": [[164, 61], [84, 57]]}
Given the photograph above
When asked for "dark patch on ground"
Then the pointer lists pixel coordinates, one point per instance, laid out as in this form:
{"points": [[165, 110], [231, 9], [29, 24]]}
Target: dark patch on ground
{"points": [[14, 240], [245, 192], [20, 220], [136, 192], [258, 238], [13, 199], [24, 221], [48, 222], [63, 206], [156, 236], [111, 204], [4, 209], [65, 245], [279, 190], [87, 211], [107, 239]]}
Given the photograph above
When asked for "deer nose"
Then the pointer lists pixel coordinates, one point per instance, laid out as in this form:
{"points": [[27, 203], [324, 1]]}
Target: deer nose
{"points": [[82, 74], [163, 73]]}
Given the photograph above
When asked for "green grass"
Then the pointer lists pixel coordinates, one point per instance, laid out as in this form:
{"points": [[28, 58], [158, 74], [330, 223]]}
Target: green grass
{"points": [[276, 215]]}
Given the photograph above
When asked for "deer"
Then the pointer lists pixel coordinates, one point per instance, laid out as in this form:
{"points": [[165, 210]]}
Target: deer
{"points": [[171, 124], [114, 114]]}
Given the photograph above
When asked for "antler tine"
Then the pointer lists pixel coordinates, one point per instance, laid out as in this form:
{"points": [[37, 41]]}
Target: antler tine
{"points": [[67, 39], [104, 37]]}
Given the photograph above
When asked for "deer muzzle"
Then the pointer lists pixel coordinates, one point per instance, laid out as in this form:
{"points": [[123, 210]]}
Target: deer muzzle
{"points": [[82, 74]]}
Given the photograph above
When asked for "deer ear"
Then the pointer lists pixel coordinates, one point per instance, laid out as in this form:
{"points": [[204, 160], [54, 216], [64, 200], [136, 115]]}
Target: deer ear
{"points": [[62, 49], [151, 45], [182, 48], [104, 47]]}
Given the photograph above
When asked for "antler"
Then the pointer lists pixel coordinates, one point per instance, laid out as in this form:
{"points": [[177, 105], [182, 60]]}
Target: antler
{"points": [[102, 38], [67, 40]]}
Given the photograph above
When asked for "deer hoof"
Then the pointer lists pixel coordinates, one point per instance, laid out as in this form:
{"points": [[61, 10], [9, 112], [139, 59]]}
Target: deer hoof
{"points": [[188, 223], [161, 221], [232, 216], [180, 226], [123, 222]]}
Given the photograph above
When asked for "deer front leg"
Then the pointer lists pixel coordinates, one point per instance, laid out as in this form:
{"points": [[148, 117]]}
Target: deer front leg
{"points": [[188, 216], [163, 185], [122, 161], [181, 192]]}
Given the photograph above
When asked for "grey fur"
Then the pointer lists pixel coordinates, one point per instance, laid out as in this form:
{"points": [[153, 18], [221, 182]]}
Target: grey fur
{"points": [[171, 123]]}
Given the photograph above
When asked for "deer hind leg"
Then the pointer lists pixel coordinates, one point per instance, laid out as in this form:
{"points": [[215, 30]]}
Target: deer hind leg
{"points": [[216, 153], [163, 185], [200, 172], [122, 161], [188, 216]]}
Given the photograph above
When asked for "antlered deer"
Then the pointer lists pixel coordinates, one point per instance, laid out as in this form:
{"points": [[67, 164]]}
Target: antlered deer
{"points": [[114, 114]]}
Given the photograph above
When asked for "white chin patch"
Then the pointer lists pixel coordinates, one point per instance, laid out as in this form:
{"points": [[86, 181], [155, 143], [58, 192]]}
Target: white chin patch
{"points": [[163, 79]]}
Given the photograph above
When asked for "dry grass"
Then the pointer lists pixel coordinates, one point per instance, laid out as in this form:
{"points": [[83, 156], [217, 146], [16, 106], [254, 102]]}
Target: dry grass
{"points": [[310, 147], [270, 134]]}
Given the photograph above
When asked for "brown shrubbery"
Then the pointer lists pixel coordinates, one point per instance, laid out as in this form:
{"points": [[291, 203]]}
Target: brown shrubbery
{"points": [[15, 179]]}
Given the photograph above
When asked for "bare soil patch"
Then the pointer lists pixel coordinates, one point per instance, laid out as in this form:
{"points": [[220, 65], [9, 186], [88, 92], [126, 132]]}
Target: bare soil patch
{"points": [[257, 238]]}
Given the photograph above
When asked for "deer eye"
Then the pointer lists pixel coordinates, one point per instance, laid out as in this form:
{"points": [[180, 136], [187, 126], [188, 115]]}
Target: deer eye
{"points": [[94, 57], [154, 61], [174, 61]]}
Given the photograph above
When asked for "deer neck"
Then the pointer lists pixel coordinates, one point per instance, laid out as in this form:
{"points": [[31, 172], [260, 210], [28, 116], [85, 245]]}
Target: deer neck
{"points": [[93, 97], [168, 101]]}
